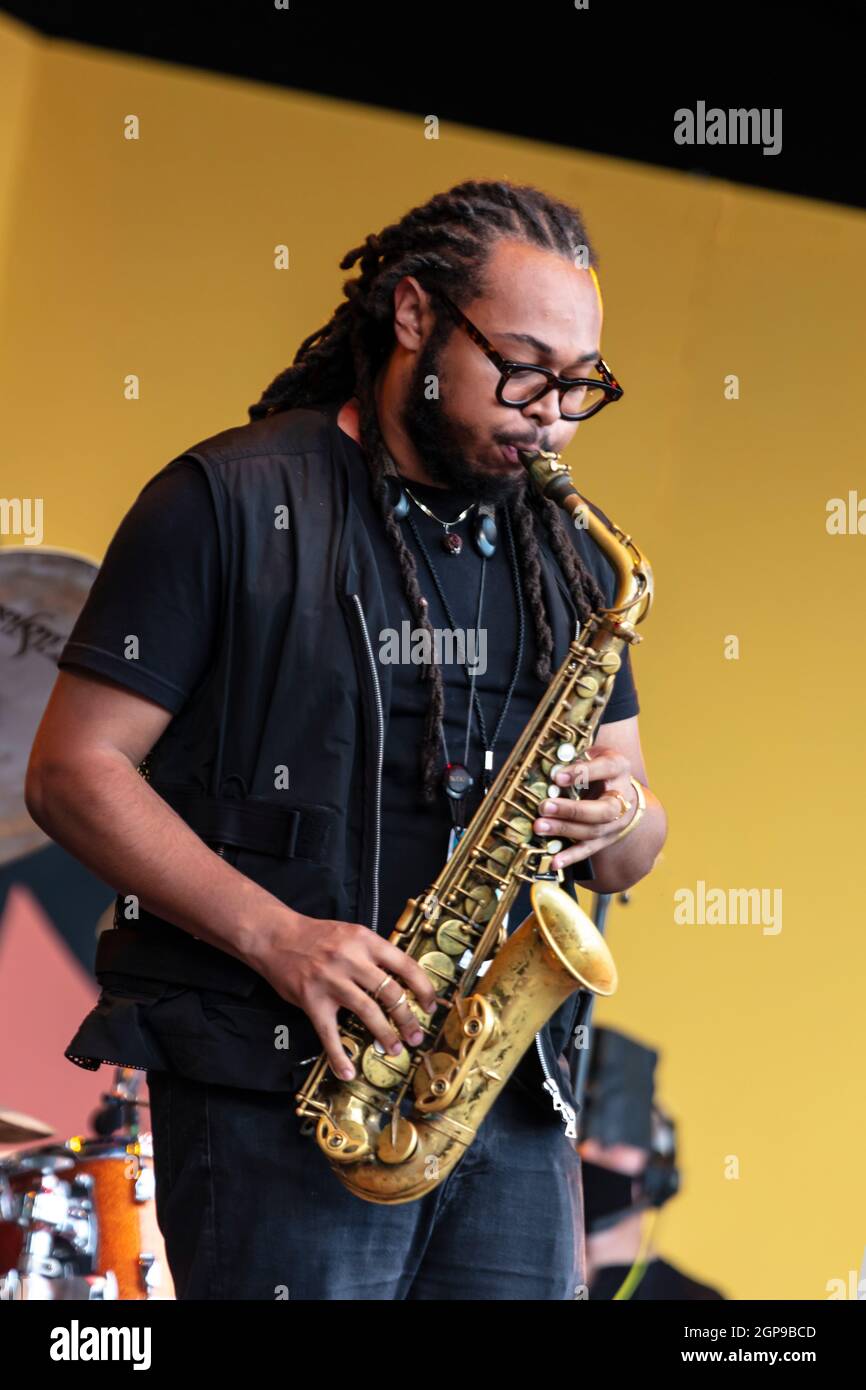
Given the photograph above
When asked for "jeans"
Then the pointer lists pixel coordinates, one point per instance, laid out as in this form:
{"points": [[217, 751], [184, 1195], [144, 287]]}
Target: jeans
{"points": [[250, 1208]]}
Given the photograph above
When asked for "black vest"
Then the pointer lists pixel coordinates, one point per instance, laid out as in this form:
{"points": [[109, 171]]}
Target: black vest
{"points": [[295, 690]]}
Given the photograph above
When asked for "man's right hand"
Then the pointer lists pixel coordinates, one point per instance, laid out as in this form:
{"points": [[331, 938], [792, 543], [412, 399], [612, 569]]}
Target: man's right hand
{"points": [[83, 789], [322, 965]]}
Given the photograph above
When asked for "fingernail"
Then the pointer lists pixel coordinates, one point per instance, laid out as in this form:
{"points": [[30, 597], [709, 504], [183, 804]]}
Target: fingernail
{"points": [[347, 1073], [548, 808], [544, 825], [395, 1048], [415, 1038]]}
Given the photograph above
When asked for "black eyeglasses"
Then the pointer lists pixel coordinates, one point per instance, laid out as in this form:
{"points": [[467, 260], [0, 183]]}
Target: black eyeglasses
{"points": [[521, 383]]}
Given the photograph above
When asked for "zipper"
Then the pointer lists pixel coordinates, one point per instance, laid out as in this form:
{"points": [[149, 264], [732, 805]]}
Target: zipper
{"points": [[556, 1095], [380, 758]]}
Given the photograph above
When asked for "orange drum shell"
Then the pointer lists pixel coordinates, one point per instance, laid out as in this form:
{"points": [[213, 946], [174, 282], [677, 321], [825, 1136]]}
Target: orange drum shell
{"points": [[127, 1228]]}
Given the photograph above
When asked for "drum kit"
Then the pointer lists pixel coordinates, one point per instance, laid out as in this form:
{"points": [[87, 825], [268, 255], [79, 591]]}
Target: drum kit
{"points": [[78, 1219]]}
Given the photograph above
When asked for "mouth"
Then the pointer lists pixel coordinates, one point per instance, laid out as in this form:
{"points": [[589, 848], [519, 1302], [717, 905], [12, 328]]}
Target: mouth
{"points": [[509, 452]]}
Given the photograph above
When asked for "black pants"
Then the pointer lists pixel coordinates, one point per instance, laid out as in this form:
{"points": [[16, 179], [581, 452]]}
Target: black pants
{"points": [[250, 1208]]}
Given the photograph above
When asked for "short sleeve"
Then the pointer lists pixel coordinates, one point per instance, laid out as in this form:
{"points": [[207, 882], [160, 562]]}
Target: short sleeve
{"points": [[623, 703], [151, 618]]}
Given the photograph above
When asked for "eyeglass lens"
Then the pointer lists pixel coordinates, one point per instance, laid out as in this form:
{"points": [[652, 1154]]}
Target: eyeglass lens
{"points": [[520, 388]]}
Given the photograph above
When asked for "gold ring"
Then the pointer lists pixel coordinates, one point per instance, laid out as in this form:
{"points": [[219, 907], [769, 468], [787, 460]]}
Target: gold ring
{"points": [[382, 983], [626, 805], [389, 1008], [641, 807]]}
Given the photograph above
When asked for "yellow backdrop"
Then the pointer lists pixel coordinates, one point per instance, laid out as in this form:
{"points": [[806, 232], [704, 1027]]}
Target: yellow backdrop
{"points": [[154, 257]]}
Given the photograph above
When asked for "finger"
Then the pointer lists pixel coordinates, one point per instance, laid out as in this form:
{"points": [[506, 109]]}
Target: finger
{"points": [[398, 963], [407, 1014], [577, 853], [406, 1017], [565, 814], [571, 830], [382, 1025], [324, 1019], [600, 767]]}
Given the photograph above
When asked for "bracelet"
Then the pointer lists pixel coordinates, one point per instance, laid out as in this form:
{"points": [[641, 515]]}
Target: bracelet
{"points": [[641, 807]]}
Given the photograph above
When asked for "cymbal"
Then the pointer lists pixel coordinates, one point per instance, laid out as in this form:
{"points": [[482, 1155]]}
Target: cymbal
{"points": [[42, 592], [16, 1128]]}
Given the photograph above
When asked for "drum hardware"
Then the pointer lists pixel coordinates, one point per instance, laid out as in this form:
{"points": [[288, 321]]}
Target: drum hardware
{"points": [[78, 1220], [15, 1287]]}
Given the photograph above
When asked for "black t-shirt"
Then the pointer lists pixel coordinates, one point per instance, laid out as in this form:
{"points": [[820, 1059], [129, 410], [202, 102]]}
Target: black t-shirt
{"points": [[160, 580]]}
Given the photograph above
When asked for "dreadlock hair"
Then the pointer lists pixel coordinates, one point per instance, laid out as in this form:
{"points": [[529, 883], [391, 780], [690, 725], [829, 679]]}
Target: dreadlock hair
{"points": [[446, 244]]}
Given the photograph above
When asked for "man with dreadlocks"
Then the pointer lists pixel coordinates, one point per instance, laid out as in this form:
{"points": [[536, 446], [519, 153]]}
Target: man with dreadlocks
{"points": [[233, 745]]}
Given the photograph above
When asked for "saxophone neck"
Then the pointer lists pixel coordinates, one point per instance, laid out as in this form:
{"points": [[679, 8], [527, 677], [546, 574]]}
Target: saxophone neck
{"points": [[634, 587]]}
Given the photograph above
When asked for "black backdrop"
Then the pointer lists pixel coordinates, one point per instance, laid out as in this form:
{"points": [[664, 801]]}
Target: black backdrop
{"points": [[606, 78]]}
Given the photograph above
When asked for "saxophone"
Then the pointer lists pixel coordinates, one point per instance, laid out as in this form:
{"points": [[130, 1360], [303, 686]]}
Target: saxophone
{"points": [[399, 1127]]}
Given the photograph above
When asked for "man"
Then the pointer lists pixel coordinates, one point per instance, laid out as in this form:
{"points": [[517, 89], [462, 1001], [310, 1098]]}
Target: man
{"points": [[293, 794], [629, 1168]]}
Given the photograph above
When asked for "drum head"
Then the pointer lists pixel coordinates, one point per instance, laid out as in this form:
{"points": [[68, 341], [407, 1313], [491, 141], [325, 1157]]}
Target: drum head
{"points": [[51, 1158]]}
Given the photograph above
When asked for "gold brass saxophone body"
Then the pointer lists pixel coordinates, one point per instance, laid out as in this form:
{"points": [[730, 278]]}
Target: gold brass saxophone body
{"points": [[396, 1130]]}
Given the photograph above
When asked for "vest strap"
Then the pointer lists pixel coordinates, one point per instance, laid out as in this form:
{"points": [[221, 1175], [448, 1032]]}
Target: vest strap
{"points": [[287, 832]]}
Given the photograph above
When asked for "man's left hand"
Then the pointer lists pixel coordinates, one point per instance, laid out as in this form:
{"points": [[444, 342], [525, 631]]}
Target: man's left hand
{"points": [[594, 821]]}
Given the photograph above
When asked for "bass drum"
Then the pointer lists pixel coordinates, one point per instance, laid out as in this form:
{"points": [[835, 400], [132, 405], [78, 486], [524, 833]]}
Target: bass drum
{"points": [[88, 1207]]}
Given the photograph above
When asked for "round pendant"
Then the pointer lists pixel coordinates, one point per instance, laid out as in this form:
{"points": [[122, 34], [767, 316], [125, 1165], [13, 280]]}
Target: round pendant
{"points": [[456, 781], [485, 537], [452, 543]]}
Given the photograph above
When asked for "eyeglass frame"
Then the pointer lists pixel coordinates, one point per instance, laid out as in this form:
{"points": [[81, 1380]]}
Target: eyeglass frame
{"points": [[506, 368]]}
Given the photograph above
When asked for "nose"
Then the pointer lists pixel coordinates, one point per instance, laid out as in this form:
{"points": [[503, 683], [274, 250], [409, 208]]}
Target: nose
{"points": [[545, 411]]}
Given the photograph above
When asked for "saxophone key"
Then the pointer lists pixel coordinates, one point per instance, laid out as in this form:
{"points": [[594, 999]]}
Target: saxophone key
{"points": [[480, 902], [397, 1142], [437, 1078], [518, 829], [343, 1143], [438, 965], [609, 662], [585, 687], [452, 937], [381, 1069]]}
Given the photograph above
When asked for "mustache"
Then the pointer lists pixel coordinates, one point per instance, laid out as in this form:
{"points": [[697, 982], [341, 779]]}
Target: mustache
{"points": [[522, 443]]}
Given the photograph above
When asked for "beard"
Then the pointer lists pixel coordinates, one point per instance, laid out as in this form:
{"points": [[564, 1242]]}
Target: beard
{"points": [[444, 445]]}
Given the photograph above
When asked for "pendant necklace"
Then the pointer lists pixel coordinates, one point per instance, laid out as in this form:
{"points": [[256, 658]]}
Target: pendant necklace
{"points": [[452, 543], [456, 778]]}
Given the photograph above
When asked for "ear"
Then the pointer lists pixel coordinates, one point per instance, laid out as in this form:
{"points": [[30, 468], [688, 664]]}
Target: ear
{"points": [[413, 316]]}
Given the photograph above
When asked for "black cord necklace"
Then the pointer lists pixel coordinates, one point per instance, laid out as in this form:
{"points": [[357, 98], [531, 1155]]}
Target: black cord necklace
{"points": [[456, 779]]}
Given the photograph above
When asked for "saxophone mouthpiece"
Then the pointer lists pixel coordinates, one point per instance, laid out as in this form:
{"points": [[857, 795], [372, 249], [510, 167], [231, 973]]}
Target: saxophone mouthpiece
{"points": [[529, 456], [549, 474]]}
